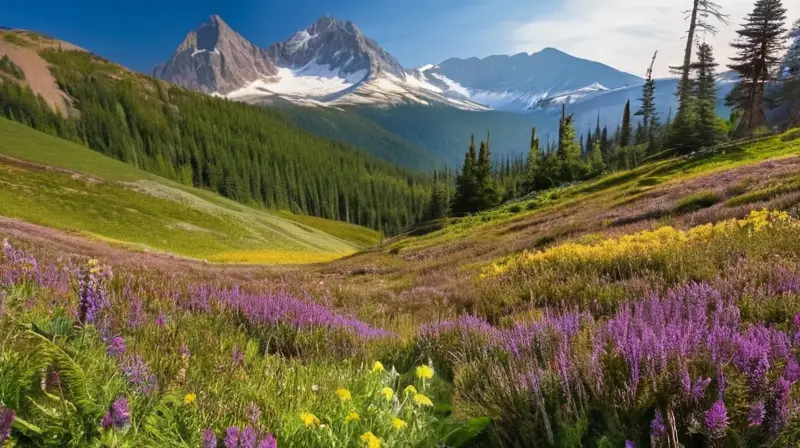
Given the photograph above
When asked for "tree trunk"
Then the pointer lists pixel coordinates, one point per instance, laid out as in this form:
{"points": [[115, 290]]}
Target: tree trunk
{"points": [[687, 56]]}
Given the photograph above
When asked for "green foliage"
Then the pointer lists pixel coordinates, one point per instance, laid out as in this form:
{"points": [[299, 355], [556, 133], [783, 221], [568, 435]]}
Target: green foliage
{"points": [[111, 200], [14, 38], [697, 201], [8, 66], [239, 151], [758, 47]]}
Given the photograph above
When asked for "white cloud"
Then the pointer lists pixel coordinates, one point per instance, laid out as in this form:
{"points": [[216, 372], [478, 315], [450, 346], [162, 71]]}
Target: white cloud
{"points": [[625, 33]]}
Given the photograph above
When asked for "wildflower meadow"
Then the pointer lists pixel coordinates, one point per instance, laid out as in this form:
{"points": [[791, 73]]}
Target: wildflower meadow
{"points": [[705, 355]]}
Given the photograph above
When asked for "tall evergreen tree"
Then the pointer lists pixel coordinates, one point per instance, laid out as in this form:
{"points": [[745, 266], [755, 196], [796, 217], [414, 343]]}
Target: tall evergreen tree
{"points": [[533, 165], [626, 131], [595, 158], [698, 17], [569, 151], [648, 108], [464, 202], [759, 43], [705, 96], [487, 194]]}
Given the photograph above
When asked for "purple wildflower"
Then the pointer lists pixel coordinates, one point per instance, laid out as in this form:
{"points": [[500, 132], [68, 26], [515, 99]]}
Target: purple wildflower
{"points": [[116, 347], [135, 313], [248, 438], [120, 413], [792, 372], [106, 422], [232, 437], [6, 419], [657, 428], [252, 412], [630, 444], [92, 291], [209, 439], [138, 373], [161, 320], [716, 420], [268, 441], [238, 356], [755, 415]]}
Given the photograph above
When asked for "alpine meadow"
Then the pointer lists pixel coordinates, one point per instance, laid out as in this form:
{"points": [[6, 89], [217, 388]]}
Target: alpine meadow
{"points": [[286, 230]]}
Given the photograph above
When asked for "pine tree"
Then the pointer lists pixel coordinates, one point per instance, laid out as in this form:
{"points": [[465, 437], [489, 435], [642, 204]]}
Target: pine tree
{"points": [[698, 17], [595, 159], [759, 44], [487, 194], [626, 131], [464, 202], [648, 108], [439, 206], [569, 151], [533, 165], [605, 145], [708, 131]]}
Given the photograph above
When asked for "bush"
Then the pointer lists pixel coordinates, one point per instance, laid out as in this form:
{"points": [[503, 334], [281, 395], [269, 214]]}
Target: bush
{"points": [[697, 201], [7, 66]]}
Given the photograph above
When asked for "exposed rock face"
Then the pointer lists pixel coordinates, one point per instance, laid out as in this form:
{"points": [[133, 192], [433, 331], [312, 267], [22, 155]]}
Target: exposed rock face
{"points": [[216, 59], [340, 46]]}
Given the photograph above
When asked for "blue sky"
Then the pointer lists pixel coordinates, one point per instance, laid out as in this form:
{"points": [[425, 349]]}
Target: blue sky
{"points": [[620, 33], [143, 33]]}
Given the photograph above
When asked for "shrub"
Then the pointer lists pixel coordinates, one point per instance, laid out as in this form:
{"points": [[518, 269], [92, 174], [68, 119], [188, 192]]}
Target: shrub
{"points": [[697, 201], [8, 66]]}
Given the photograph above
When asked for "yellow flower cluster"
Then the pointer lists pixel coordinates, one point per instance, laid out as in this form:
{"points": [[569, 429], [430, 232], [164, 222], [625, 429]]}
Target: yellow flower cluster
{"points": [[370, 440], [352, 417], [189, 398], [638, 245], [343, 394], [309, 419], [424, 372]]}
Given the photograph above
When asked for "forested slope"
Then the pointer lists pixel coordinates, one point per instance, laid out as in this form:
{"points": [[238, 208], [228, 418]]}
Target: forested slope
{"points": [[239, 151]]}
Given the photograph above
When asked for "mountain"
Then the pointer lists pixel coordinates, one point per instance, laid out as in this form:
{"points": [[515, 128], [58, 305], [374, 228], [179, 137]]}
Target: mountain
{"points": [[329, 63], [525, 82], [216, 59]]}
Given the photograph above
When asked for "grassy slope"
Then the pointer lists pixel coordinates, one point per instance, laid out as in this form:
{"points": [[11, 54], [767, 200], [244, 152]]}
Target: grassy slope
{"points": [[614, 189], [447, 262], [130, 206]]}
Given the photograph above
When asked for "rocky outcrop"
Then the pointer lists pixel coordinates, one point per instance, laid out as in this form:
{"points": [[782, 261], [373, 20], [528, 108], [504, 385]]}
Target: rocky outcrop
{"points": [[216, 59]]}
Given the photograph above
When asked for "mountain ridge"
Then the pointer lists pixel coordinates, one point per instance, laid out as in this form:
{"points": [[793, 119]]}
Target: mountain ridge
{"points": [[332, 63]]}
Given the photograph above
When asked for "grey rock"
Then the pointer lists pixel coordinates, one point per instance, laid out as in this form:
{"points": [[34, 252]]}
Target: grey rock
{"points": [[216, 59], [337, 45]]}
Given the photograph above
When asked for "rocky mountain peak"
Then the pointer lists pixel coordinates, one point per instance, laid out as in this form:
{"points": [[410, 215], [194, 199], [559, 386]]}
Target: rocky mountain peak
{"points": [[214, 58], [336, 45]]}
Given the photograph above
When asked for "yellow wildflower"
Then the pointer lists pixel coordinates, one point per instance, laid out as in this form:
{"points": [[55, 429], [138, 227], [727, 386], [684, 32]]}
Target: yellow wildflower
{"points": [[410, 390], [352, 417], [387, 393], [398, 424], [309, 419], [378, 367], [422, 400], [370, 440], [189, 398], [343, 394], [424, 372]]}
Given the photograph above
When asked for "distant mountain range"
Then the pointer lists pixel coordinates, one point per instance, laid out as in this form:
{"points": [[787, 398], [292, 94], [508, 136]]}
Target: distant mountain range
{"points": [[332, 63], [352, 90]]}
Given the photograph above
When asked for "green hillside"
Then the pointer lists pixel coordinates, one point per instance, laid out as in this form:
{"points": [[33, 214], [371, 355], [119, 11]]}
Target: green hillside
{"points": [[242, 152], [352, 128], [59, 184]]}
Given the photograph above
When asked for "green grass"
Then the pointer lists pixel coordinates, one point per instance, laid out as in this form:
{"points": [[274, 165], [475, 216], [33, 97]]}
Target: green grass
{"points": [[114, 201], [697, 201], [764, 194], [625, 186]]}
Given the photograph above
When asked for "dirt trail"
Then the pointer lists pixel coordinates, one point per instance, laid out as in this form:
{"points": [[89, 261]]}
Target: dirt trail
{"points": [[37, 75]]}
